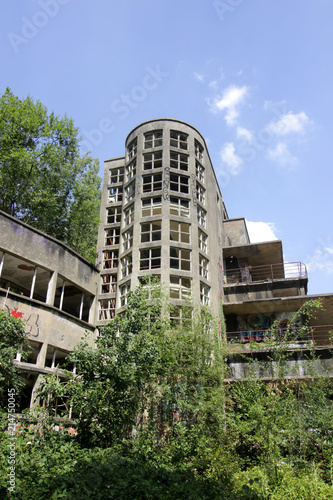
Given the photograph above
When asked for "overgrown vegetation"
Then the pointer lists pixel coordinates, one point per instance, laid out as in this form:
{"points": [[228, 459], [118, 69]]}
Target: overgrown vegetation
{"points": [[44, 180], [156, 420]]}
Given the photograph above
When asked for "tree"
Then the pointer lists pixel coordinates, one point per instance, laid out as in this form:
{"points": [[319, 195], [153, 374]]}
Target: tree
{"points": [[12, 338], [44, 181]]}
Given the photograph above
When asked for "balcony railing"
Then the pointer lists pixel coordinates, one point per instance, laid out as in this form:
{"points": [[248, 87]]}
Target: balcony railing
{"points": [[267, 272], [320, 335]]}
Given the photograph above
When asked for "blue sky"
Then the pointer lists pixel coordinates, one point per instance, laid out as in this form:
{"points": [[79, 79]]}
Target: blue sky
{"points": [[254, 76]]}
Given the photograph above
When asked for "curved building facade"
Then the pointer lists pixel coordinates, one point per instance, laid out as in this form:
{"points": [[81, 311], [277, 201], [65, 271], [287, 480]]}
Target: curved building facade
{"points": [[162, 214]]}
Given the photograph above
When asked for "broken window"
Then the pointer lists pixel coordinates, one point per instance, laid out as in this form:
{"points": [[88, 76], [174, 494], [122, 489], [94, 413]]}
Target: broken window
{"points": [[152, 182], [152, 160], [180, 287], [23, 277], [179, 161], [126, 265], [201, 213], [116, 175], [124, 292], [179, 231], [150, 258], [153, 139], [180, 258], [72, 300], [112, 236], [204, 294], [178, 139], [179, 183], [127, 239], [115, 194], [151, 231], [151, 206], [109, 283], [113, 215], [110, 259], [202, 240], [107, 309], [179, 206], [130, 170], [198, 150], [129, 215], [203, 267], [132, 148]]}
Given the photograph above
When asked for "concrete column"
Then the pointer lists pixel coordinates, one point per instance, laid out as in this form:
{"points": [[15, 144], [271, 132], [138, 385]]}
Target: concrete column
{"points": [[51, 289]]}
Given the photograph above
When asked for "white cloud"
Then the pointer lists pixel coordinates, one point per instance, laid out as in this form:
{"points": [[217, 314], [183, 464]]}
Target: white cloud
{"points": [[261, 231], [230, 101], [213, 84], [322, 260], [230, 158], [244, 133], [281, 155], [199, 76], [290, 123]]}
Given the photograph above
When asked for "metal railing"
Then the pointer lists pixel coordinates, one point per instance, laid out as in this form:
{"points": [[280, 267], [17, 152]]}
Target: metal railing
{"points": [[267, 272], [320, 335]]}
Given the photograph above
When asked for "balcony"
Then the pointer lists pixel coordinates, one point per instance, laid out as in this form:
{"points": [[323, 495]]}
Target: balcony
{"points": [[265, 273], [297, 336]]}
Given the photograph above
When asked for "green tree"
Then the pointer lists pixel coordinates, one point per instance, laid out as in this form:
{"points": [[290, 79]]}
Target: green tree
{"points": [[44, 180], [12, 338]]}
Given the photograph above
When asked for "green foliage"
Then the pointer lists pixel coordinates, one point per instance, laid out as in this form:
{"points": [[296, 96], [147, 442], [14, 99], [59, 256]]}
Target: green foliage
{"points": [[156, 420], [44, 180], [12, 337]]}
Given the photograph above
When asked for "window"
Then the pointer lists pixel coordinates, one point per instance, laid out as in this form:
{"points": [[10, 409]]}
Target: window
{"points": [[202, 240], [179, 231], [201, 216], [151, 206], [180, 316], [115, 194], [180, 287], [107, 309], [127, 237], [113, 215], [198, 150], [129, 215], [201, 193], [152, 182], [151, 231], [203, 267], [150, 258], [124, 291], [180, 259], [179, 183], [199, 171], [204, 294], [178, 160], [130, 170], [178, 139], [110, 259], [152, 160], [116, 175], [112, 236], [179, 207], [130, 192], [153, 139], [150, 283], [126, 265], [131, 149], [109, 283]]}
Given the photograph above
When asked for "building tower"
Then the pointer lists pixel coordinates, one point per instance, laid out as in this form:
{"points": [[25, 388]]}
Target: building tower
{"points": [[162, 214]]}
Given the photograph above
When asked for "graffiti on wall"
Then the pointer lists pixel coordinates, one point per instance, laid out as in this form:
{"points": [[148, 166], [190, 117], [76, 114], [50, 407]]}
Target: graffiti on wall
{"points": [[32, 317]]}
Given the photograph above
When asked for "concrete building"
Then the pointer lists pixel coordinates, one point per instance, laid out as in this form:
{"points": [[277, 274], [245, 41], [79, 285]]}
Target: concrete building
{"points": [[162, 214], [53, 289]]}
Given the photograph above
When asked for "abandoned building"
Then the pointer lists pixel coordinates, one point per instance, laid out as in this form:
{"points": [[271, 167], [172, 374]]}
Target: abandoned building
{"points": [[162, 214]]}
